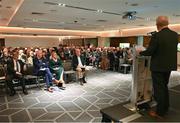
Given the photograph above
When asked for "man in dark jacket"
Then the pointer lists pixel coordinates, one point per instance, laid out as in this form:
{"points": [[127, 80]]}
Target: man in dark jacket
{"points": [[41, 68], [163, 52], [78, 62], [15, 71]]}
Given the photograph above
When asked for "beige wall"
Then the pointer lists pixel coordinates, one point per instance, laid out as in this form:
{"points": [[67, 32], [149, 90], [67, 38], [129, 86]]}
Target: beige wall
{"points": [[31, 42]]}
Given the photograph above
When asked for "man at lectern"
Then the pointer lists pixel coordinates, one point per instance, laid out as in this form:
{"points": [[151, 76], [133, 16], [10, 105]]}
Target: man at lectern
{"points": [[163, 51]]}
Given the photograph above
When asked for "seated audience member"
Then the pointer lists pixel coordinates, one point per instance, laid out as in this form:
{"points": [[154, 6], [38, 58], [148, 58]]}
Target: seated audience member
{"points": [[5, 56], [129, 57], [56, 67], [62, 56], [22, 56], [45, 55], [15, 71], [41, 68], [30, 56], [78, 62]]}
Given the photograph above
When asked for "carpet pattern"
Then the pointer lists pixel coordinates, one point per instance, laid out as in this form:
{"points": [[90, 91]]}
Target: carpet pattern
{"points": [[75, 104]]}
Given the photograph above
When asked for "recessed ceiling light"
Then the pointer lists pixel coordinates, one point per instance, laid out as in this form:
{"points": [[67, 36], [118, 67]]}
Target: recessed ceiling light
{"points": [[61, 4], [99, 10]]}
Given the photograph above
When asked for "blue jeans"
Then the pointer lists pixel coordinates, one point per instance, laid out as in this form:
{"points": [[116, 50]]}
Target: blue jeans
{"points": [[48, 76]]}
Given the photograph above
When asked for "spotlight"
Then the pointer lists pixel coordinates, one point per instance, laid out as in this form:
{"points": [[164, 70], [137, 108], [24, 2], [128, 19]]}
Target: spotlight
{"points": [[61, 4]]}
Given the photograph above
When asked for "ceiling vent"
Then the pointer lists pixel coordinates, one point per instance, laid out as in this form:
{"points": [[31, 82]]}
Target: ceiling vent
{"points": [[134, 4], [102, 20], [141, 25], [176, 15], [50, 3], [37, 13]]}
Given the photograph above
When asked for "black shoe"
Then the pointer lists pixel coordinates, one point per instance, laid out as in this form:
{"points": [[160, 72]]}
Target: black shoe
{"points": [[81, 81], [84, 81], [12, 93], [59, 84], [25, 92], [62, 88]]}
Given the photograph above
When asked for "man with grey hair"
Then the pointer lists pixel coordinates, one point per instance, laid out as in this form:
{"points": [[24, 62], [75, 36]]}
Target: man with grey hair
{"points": [[78, 63], [163, 51]]}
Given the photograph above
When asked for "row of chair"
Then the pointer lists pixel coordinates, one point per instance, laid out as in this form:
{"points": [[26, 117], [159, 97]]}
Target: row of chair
{"points": [[69, 75]]}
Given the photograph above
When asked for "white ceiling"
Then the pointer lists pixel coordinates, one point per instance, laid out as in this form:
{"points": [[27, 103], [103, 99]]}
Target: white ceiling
{"points": [[58, 17]]}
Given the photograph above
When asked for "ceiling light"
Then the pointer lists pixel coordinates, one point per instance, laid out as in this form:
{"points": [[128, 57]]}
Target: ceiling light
{"points": [[99, 10], [61, 4], [130, 17]]}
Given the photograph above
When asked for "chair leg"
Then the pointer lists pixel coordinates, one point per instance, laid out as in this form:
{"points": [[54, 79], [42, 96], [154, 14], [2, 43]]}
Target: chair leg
{"points": [[6, 87], [38, 83]]}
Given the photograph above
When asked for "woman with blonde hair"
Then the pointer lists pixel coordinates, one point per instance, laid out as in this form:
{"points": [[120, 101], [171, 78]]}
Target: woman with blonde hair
{"points": [[56, 68]]}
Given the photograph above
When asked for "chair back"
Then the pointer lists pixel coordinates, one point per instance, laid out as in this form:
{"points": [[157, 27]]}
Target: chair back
{"points": [[29, 70], [67, 65], [121, 60]]}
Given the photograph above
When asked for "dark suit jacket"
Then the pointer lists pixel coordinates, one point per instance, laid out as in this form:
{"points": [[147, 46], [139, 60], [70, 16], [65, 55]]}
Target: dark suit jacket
{"points": [[39, 64], [75, 61], [10, 67], [163, 51]]}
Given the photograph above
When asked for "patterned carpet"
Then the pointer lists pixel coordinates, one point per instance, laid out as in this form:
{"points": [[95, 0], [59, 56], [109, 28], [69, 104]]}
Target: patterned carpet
{"points": [[75, 104]]}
